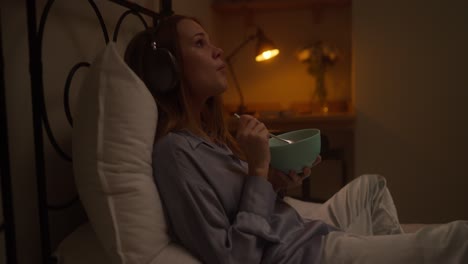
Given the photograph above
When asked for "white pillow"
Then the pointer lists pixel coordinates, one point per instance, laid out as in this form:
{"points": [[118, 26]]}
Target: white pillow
{"points": [[114, 127]]}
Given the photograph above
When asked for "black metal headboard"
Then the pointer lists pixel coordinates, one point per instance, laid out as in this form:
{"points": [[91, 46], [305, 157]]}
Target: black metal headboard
{"points": [[40, 117]]}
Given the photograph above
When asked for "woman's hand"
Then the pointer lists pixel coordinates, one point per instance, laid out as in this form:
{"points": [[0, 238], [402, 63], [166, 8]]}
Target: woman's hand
{"points": [[280, 180], [252, 136]]}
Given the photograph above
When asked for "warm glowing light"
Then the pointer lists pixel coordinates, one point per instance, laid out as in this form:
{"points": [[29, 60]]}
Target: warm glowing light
{"points": [[304, 55], [325, 109], [266, 55]]}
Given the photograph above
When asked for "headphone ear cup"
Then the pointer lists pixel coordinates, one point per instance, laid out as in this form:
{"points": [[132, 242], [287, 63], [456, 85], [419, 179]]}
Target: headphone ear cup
{"points": [[161, 71]]}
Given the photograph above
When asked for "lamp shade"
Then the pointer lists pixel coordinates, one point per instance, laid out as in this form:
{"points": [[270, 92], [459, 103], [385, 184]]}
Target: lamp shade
{"points": [[265, 49]]}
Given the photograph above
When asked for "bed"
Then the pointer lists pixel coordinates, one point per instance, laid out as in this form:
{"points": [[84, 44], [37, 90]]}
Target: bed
{"points": [[125, 242], [111, 153], [82, 245]]}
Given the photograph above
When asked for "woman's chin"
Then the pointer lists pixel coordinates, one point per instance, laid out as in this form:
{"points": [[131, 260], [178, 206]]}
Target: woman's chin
{"points": [[222, 88]]}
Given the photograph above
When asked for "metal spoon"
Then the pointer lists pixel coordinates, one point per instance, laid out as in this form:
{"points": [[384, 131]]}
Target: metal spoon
{"points": [[271, 135]]}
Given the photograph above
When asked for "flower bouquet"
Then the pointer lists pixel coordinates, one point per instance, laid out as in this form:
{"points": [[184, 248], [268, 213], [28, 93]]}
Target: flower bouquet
{"points": [[319, 57]]}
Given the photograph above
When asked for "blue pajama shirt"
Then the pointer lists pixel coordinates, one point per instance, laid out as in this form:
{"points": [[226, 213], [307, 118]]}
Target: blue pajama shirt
{"points": [[222, 215]]}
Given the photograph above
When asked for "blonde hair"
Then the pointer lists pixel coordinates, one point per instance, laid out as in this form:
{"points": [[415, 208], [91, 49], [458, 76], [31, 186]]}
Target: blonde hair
{"points": [[174, 107]]}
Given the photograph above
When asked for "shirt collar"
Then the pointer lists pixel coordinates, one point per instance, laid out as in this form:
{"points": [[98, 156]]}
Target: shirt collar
{"points": [[194, 140]]}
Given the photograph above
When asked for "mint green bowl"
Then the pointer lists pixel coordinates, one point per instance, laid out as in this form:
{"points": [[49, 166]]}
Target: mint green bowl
{"points": [[302, 153]]}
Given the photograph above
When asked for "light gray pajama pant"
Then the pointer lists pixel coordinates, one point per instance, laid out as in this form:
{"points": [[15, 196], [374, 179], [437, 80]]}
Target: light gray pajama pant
{"points": [[365, 211]]}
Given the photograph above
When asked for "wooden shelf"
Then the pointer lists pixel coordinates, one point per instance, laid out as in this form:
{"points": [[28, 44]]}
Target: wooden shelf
{"points": [[328, 122], [274, 5], [336, 121]]}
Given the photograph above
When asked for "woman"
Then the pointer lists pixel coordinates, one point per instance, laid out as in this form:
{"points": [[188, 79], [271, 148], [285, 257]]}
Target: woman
{"points": [[220, 194]]}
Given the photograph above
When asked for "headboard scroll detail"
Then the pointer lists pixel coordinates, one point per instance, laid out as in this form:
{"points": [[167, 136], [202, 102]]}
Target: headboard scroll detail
{"points": [[40, 116]]}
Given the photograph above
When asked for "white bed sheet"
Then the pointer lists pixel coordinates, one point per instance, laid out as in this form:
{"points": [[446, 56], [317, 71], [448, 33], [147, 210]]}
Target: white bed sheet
{"points": [[83, 247]]}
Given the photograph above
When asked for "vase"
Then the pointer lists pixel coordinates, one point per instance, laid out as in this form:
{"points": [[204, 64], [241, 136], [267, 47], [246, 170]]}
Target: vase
{"points": [[321, 91]]}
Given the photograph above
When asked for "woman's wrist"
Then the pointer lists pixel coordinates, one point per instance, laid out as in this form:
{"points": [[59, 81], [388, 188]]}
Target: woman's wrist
{"points": [[259, 171]]}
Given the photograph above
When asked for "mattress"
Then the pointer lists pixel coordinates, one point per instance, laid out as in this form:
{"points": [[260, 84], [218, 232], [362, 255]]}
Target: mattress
{"points": [[83, 247]]}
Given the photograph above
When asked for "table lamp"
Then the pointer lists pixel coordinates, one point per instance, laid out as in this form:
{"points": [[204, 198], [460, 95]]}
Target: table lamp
{"points": [[264, 50]]}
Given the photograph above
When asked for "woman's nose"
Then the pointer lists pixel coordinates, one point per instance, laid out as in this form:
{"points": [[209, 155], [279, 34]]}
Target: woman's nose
{"points": [[217, 52]]}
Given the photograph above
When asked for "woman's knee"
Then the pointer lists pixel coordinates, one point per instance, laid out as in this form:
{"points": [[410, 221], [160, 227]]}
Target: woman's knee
{"points": [[458, 229], [372, 181]]}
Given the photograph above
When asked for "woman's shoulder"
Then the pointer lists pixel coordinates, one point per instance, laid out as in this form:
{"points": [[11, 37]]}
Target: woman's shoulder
{"points": [[171, 141], [174, 141]]}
